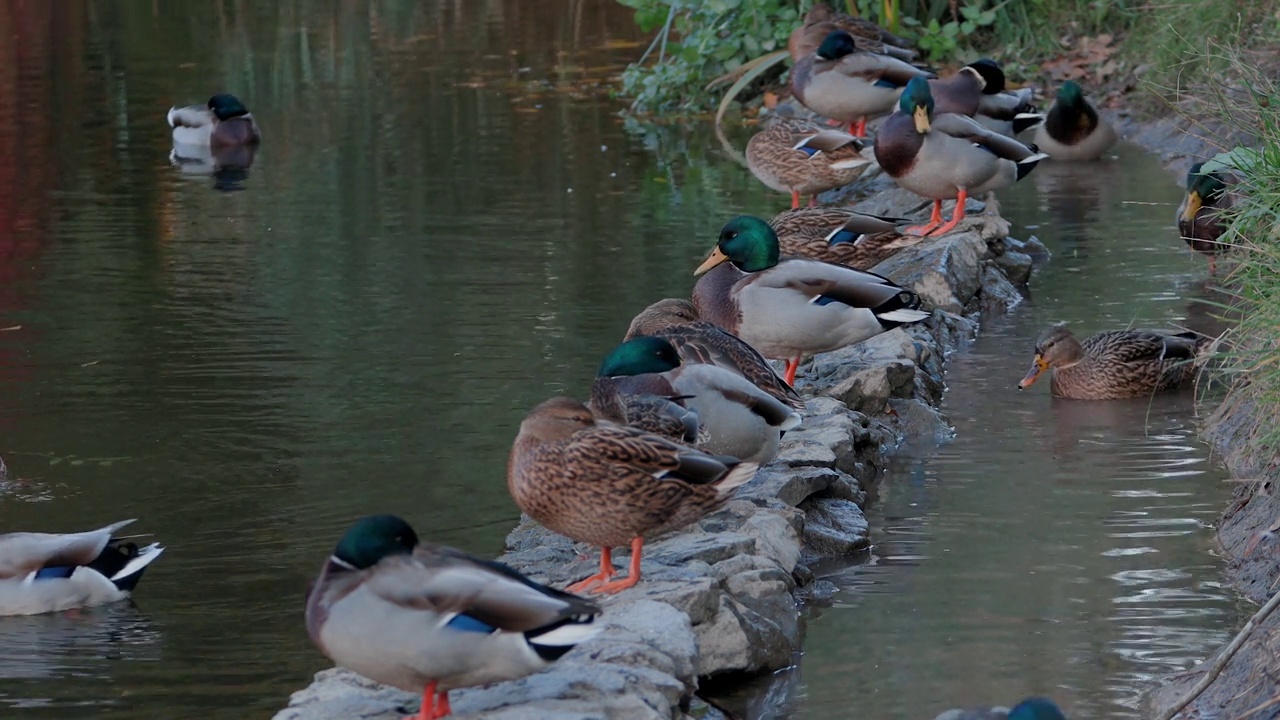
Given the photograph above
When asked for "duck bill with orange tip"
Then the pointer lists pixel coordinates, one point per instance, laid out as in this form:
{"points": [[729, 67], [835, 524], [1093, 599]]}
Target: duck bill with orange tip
{"points": [[1194, 203], [1038, 365], [715, 258]]}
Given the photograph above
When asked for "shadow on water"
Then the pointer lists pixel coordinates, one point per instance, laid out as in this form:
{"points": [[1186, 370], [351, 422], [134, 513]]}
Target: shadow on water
{"points": [[446, 224]]}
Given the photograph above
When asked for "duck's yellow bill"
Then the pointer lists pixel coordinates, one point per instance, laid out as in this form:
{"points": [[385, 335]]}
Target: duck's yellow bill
{"points": [[715, 258], [1037, 366], [1194, 203], [921, 116]]}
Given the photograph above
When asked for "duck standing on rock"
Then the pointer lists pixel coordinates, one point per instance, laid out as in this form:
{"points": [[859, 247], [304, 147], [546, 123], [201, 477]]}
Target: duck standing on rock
{"points": [[740, 419], [846, 84], [611, 485], [423, 617], [696, 341], [44, 572], [840, 236], [946, 156], [978, 90], [786, 308], [1072, 129], [1201, 220], [803, 158], [1115, 364]]}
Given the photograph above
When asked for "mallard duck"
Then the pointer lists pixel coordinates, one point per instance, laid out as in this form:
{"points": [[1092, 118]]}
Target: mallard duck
{"points": [[223, 121], [978, 90], [43, 572], [1072, 129], [822, 20], [1033, 708], [789, 307], [740, 419], [1116, 363], [610, 485], [845, 84], [424, 617], [840, 235], [665, 415], [804, 158], [677, 321], [1200, 216], [946, 156]]}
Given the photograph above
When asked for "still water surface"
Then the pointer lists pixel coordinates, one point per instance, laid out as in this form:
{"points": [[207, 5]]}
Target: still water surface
{"points": [[446, 224]]}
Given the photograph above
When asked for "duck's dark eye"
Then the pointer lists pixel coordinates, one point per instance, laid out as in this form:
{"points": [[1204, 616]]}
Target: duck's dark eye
{"points": [[732, 234]]}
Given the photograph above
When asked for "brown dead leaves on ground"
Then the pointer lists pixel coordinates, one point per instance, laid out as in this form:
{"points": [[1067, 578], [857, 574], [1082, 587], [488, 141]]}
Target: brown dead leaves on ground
{"points": [[1091, 62]]}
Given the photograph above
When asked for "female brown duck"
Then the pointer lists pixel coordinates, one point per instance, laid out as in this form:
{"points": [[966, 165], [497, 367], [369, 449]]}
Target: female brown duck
{"points": [[1115, 364]]}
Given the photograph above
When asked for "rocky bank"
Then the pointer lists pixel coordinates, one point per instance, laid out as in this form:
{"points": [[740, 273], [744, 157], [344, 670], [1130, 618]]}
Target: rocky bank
{"points": [[722, 597]]}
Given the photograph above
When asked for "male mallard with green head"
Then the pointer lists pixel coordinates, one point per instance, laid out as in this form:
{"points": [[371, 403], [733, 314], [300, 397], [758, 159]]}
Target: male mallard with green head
{"points": [[786, 308], [1032, 708], [696, 341], [946, 155], [1201, 220], [803, 158], [424, 617], [840, 235], [842, 83], [47, 572], [610, 485], [1115, 364], [1072, 129], [222, 122], [978, 90], [740, 419]]}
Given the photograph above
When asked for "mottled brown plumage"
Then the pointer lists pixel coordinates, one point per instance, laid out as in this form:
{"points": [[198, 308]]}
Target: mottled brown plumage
{"points": [[702, 342], [608, 485], [664, 415], [821, 20], [840, 235], [801, 157], [1117, 363]]}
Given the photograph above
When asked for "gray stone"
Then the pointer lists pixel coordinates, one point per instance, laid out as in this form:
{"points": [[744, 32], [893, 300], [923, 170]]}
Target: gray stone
{"points": [[1016, 266], [791, 486], [944, 272], [999, 296], [834, 527]]}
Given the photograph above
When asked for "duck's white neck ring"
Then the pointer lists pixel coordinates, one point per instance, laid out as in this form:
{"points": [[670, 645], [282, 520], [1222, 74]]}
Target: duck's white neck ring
{"points": [[342, 563]]}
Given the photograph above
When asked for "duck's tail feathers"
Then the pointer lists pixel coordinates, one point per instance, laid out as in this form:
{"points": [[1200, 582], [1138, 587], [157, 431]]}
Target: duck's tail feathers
{"points": [[740, 475], [1026, 121], [903, 315], [1028, 164], [553, 641], [127, 577]]}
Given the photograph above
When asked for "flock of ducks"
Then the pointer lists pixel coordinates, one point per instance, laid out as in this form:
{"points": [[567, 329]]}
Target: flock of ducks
{"points": [[687, 407]]}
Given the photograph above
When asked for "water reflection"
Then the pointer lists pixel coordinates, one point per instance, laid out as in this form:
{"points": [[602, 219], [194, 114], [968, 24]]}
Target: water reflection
{"points": [[83, 645]]}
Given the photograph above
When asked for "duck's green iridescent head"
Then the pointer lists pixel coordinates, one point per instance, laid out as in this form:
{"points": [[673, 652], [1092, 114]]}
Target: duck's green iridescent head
{"points": [[373, 538], [1070, 93], [746, 241], [917, 101], [836, 45], [227, 106], [1202, 187], [1036, 708], [640, 356]]}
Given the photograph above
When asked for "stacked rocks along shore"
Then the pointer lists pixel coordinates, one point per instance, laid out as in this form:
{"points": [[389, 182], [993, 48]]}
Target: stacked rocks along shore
{"points": [[723, 596]]}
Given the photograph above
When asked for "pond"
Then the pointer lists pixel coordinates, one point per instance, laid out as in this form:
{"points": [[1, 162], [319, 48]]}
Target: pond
{"points": [[447, 223]]}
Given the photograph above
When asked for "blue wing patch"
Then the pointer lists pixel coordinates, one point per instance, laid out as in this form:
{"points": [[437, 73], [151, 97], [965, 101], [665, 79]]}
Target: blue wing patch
{"points": [[55, 573], [844, 236], [882, 83], [466, 623], [823, 300], [808, 150]]}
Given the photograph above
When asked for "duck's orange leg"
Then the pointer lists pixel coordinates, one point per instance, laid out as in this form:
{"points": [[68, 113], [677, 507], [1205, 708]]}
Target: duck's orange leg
{"points": [[633, 573], [795, 199], [428, 711], [935, 219], [956, 215], [606, 572], [790, 376], [858, 129], [442, 705]]}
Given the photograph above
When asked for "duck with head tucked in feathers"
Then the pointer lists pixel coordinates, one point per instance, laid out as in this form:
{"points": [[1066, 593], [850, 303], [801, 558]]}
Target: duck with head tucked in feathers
{"points": [[222, 122], [740, 419], [821, 20], [428, 618], [790, 307], [1205, 211], [696, 341], [842, 83], [609, 485], [978, 90], [1117, 363], [1072, 129], [44, 572], [946, 155], [840, 235], [804, 158]]}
